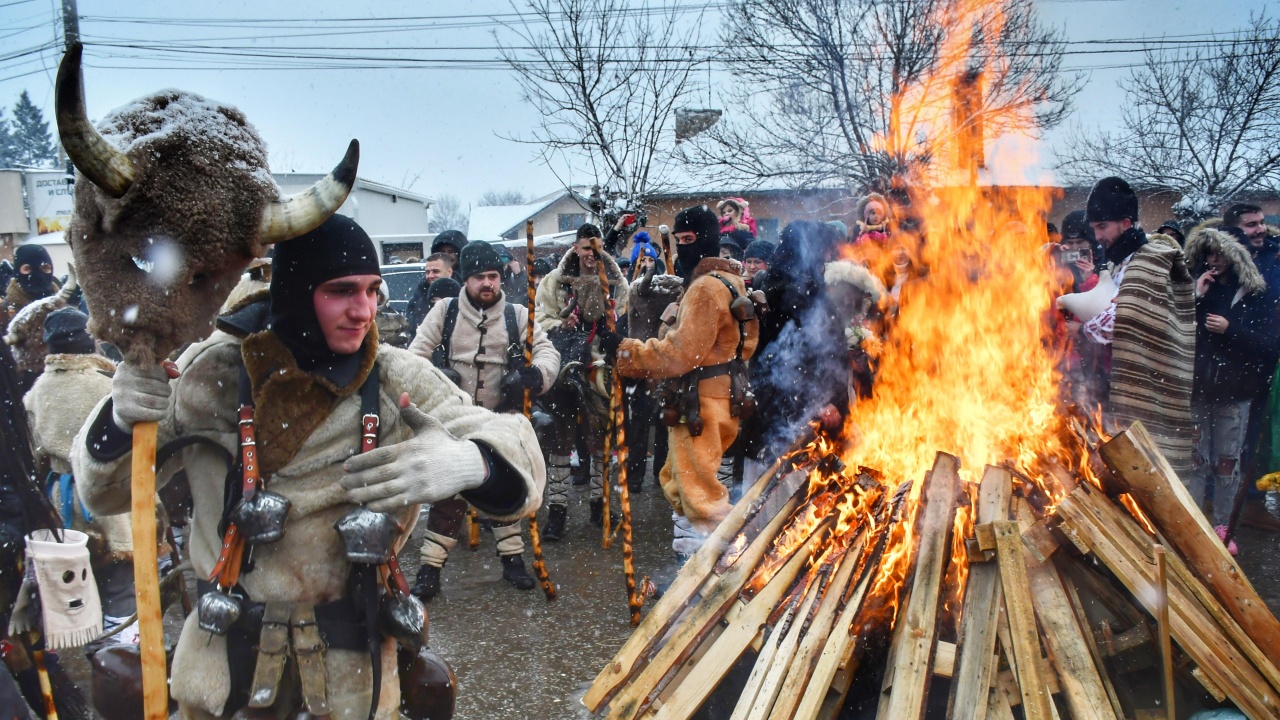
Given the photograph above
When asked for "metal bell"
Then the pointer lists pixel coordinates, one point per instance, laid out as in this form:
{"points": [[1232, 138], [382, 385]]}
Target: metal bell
{"points": [[403, 618], [368, 536], [261, 517], [217, 612]]}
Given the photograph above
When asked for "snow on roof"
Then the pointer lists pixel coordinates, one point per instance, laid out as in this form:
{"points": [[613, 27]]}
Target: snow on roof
{"points": [[491, 222]]}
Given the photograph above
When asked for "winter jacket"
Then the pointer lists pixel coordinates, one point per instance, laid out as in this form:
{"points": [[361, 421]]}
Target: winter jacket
{"points": [[308, 564], [478, 349], [1267, 260], [1236, 364], [419, 305]]}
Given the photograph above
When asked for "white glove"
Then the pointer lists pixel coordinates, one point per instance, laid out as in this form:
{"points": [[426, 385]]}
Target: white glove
{"points": [[431, 467], [140, 394]]}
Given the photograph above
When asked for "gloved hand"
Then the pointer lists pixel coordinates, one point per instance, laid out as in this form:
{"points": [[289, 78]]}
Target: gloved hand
{"points": [[141, 394], [430, 467], [523, 377], [609, 342]]}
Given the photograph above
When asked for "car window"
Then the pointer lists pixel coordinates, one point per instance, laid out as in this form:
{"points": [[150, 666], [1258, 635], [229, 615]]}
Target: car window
{"points": [[400, 280]]}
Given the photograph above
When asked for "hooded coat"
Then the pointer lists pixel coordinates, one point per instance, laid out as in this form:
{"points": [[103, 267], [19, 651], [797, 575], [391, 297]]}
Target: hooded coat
{"points": [[308, 564], [1237, 364], [704, 334]]}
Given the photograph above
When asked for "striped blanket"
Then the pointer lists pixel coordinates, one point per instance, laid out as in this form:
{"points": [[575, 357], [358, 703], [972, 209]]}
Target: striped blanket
{"points": [[1153, 349]]}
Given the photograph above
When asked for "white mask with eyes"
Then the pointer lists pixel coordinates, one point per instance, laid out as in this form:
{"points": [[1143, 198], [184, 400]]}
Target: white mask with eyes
{"points": [[69, 604]]}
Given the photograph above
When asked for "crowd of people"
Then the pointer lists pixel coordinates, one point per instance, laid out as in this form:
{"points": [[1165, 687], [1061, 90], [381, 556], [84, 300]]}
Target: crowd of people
{"points": [[728, 349]]}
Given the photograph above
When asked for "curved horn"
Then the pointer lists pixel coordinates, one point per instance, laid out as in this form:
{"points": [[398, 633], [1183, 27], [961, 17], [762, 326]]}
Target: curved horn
{"points": [[73, 283], [97, 159], [295, 215]]}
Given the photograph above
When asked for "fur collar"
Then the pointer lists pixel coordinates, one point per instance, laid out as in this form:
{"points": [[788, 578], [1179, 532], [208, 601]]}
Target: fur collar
{"points": [[289, 403], [569, 267], [714, 264], [1206, 241], [68, 362]]}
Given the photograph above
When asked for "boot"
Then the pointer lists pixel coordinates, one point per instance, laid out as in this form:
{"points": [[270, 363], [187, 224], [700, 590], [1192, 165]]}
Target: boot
{"points": [[427, 584], [597, 514], [556, 515], [513, 572]]}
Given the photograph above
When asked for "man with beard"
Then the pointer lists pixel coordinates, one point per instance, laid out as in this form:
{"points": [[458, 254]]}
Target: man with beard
{"points": [[573, 307], [33, 280], [1263, 248], [704, 351], [1149, 329], [479, 339], [337, 421]]}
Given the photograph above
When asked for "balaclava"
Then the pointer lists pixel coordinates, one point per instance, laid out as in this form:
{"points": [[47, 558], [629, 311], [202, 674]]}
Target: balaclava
{"points": [[38, 283], [338, 248], [701, 220]]}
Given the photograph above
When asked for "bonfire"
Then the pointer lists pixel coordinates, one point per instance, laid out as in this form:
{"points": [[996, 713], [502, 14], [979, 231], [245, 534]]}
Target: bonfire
{"points": [[969, 544]]}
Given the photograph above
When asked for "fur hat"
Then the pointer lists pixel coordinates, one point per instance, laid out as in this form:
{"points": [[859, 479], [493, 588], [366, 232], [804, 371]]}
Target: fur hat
{"points": [[1207, 241], [1112, 199], [452, 238], [478, 257], [860, 209], [64, 332], [847, 272]]}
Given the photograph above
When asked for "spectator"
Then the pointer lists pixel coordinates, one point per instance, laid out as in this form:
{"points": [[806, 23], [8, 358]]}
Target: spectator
{"points": [[841, 229], [1083, 252], [541, 267], [643, 256], [1149, 329], [733, 243], [1171, 229], [856, 295], [1236, 326], [1248, 224], [874, 219], [515, 283], [1248, 218], [438, 265], [451, 243], [756, 260], [442, 289], [735, 214]]}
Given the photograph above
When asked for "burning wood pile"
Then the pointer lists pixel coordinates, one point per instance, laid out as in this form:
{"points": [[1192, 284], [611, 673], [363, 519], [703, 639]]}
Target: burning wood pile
{"points": [[1099, 592]]}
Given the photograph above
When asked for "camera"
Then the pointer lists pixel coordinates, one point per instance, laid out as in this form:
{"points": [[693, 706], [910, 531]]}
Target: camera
{"points": [[1066, 257]]}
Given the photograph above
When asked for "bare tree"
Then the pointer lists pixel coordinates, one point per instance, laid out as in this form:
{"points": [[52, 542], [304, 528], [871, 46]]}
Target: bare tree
{"points": [[859, 92], [500, 197], [448, 213], [1202, 122], [606, 78]]}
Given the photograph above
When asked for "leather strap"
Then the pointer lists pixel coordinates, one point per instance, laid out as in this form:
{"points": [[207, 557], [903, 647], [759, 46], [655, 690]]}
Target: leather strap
{"points": [[273, 651], [308, 650]]}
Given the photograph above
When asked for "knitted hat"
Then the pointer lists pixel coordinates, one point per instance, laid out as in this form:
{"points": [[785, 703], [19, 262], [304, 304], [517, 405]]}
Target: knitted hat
{"points": [[645, 249], [444, 288], [1075, 226], [541, 267], [1112, 199], [641, 237], [478, 257], [64, 332], [759, 250]]}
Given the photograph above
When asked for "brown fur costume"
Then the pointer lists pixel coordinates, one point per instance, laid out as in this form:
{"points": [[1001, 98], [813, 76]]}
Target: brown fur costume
{"points": [[166, 254], [25, 335], [704, 334]]}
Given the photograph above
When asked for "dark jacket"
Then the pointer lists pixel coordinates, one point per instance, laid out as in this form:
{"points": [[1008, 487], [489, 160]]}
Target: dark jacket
{"points": [[1267, 260], [419, 305]]}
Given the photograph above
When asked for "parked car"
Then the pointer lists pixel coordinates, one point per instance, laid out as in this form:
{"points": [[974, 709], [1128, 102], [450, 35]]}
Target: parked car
{"points": [[400, 280]]}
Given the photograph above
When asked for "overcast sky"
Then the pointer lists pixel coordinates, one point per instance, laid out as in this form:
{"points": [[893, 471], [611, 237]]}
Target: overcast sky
{"points": [[437, 129]]}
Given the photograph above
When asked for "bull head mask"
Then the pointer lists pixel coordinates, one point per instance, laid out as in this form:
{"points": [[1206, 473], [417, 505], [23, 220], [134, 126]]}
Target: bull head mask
{"points": [[179, 200]]}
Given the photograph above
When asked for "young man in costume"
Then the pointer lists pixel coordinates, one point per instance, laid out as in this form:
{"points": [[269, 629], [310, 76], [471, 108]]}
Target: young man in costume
{"points": [[480, 338], [297, 385]]}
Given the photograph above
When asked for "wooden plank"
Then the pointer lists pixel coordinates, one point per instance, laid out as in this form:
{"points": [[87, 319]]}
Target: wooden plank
{"points": [[913, 638], [1091, 642], [743, 622], [1162, 621], [1078, 676], [691, 577], [982, 600], [1039, 540], [695, 626], [1025, 655], [998, 706], [777, 672], [1134, 459], [1098, 521], [816, 634], [764, 659]]}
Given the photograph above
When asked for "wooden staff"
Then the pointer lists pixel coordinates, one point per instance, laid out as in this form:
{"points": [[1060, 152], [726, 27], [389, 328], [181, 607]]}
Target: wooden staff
{"points": [[146, 580], [617, 416], [473, 529], [535, 539], [46, 687]]}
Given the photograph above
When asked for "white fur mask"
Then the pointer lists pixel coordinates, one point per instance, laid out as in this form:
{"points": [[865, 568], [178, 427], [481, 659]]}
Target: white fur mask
{"points": [[70, 608]]}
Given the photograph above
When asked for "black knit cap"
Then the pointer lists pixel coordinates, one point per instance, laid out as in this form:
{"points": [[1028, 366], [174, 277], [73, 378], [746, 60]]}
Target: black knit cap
{"points": [[1112, 199], [702, 221], [453, 238], [477, 257], [338, 248], [759, 250], [1074, 225], [64, 332], [443, 288]]}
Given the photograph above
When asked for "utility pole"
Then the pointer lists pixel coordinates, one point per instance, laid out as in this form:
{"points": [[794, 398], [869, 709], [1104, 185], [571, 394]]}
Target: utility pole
{"points": [[70, 24]]}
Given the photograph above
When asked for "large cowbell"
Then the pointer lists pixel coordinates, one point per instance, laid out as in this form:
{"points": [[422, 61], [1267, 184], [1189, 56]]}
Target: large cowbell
{"points": [[260, 518], [368, 536]]}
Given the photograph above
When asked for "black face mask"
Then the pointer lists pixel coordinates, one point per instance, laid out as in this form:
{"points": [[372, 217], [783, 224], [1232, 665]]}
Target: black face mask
{"points": [[704, 223], [37, 283]]}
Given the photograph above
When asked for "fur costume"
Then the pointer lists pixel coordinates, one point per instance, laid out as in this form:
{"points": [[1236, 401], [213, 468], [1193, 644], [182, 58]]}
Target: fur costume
{"points": [[308, 564], [25, 335], [1153, 348], [647, 300], [202, 183], [566, 279], [704, 334], [16, 300]]}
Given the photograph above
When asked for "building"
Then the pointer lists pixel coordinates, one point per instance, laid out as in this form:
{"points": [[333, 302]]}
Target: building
{"points": [[560, 212], [396, 219]]}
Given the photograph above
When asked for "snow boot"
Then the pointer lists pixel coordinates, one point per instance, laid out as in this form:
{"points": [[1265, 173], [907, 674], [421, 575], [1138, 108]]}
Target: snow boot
{"points": [[513, 572], [427, 584], [597, 514], [556, 516]]}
